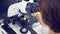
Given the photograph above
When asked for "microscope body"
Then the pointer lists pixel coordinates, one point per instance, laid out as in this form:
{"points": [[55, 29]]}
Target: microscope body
{"points": [[21, 13]]}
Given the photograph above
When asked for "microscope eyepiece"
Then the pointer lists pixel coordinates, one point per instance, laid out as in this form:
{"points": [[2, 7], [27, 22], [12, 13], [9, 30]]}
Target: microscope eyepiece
{"points": [[26, 0]]}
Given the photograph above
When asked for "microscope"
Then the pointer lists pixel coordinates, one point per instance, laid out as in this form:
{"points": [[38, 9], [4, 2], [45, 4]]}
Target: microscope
{"points": [[24, 20]]}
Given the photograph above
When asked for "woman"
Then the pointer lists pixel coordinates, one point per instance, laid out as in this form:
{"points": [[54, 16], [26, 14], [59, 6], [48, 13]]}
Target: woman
{"points": [[49, 15]]}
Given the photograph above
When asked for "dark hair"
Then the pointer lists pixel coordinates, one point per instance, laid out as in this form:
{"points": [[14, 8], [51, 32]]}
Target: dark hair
{"points": [[50, 10]]}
